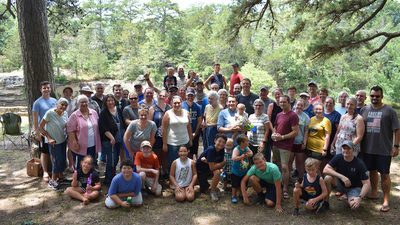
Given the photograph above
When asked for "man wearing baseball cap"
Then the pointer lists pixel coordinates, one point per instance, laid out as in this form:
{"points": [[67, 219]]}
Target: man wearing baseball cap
{"points": [[194, 110], [236, 77], [172, 91], [349, 175], [312, 88], [263, 93]]}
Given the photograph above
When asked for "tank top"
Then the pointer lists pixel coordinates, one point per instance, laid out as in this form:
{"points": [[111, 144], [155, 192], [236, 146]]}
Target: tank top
{"points": [[219, 80], [240, 168], [275, 110], [313, 189], [177, 133], [183, 172], [157, 118]]}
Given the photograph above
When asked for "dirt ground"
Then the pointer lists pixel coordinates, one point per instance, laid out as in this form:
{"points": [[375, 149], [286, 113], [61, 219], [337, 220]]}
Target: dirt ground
{"points": [[28, 200]]}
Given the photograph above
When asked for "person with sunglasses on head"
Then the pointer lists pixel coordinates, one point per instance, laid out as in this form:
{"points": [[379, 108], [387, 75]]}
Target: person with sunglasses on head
{"points": [[378, 148]]}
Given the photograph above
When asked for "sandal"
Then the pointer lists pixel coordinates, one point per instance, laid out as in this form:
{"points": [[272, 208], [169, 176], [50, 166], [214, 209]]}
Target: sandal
{"points": [[343, 197], [285, 195], [385, 208], [71, 169]]}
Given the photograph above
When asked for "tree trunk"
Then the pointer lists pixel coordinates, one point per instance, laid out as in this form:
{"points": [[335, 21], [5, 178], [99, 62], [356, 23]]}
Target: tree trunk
{"points": [[35, 47]]}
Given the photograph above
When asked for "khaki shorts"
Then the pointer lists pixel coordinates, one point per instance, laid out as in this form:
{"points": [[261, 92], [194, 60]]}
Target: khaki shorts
{"points": [[149, 182], [280, 155]]}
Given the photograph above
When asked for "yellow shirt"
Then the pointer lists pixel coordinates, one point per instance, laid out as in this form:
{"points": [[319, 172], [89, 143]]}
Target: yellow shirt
{"points": [[316, 135], [212, 114]]}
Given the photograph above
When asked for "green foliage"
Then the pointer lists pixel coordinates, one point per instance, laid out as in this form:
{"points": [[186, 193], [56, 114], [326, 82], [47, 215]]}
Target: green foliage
{"points": [[257, 76], [61, 79]]}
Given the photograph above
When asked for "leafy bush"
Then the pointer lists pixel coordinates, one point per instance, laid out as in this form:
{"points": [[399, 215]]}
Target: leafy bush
{"points": [[257, 76]]}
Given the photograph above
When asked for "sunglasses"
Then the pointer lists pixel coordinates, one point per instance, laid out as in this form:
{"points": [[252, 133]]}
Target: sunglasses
{"points": [[375, 96], [133, 98]]}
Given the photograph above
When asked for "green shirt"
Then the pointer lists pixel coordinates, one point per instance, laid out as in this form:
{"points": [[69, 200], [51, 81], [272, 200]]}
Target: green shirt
{"points": [[270, 175]]}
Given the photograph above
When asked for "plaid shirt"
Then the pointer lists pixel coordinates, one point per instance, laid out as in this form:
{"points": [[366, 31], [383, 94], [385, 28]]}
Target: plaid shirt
{"points": [[229, 161]]}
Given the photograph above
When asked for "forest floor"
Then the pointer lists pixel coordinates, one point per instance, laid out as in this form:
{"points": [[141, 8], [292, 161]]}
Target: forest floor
{"points": [[28, 200]]}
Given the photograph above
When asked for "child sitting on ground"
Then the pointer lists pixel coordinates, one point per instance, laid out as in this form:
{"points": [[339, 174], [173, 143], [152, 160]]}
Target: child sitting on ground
{"points": [[241, 119], [148, 168], [183, 176], [80, 188], [240, 166], [312, 188], [227, 170]]}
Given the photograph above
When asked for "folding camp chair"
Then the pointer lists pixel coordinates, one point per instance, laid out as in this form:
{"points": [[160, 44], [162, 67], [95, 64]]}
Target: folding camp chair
{"points": [[11, 128]]}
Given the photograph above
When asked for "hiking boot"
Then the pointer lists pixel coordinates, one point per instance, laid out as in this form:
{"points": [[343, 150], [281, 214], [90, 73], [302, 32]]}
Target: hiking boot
{"points": [[65, 181], [324, 206], [214, 196], [295, 212], [54, 185], [260, 199]]}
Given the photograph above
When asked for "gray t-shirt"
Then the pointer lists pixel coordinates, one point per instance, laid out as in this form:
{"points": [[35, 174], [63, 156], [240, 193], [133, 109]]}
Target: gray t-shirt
{"points": [[55, 126], [379, 127], [130, 113], [138, 135], [304, 120], [199, 98], [266, 104]]}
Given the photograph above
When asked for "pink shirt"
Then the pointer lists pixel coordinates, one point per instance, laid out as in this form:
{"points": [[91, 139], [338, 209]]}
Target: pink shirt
{"points": [[314, 100], [78, 124]]}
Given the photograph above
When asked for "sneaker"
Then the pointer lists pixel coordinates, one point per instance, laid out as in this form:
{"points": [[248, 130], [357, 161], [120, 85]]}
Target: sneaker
{"points": [[214, 196], [295, 212], [54, 185], [65, 181], [101, 162], [260, 199], [234, 200], [323, 207]]}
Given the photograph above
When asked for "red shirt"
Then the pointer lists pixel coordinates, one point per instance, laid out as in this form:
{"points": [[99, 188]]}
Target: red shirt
{"points": [[314, 100], [236, 78]]}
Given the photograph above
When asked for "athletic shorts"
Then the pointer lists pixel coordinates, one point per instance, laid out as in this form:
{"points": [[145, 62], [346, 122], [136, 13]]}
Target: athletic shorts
{"points": [[236, 180], [297, 149], [381, 163], [314, 155], [280, 155], [271, 190], [44, 147]]}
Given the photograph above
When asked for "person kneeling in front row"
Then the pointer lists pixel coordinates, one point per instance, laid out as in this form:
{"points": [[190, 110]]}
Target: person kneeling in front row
{"points": [[351, 176], [125, 188]]}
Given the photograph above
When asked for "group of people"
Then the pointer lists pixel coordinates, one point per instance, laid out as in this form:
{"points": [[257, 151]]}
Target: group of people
{"points": [[241, 131]]}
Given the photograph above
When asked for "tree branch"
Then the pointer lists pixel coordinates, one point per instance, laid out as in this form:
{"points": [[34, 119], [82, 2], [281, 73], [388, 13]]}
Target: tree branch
{"points": [[370, 17], [8, 9]]}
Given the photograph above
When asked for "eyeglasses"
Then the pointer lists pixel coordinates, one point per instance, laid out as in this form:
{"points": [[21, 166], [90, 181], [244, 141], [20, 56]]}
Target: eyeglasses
{"points": [[133, 98], [258, 106], [84, 102], [173, 91], [374, 96]]}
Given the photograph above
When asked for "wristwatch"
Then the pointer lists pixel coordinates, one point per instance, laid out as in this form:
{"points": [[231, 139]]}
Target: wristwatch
{"points": [[397, 146], [360, 197]]}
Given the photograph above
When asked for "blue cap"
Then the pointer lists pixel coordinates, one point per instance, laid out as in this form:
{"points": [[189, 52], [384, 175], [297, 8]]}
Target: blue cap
{"points": [[235, 64], [349, 143], [190, 91]]}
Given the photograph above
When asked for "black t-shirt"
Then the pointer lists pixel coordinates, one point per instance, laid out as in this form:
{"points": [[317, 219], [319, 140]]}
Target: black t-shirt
{"points": [[83, 178], [212, 156], [355, 170], [247, 101]]}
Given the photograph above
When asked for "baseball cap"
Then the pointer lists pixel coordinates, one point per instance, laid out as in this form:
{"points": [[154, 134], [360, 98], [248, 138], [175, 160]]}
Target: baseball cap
{"points": [[235, 64], [349, 143], [198, 81], [190, 91], [264, 87], [304, 93], [313, 82], [145, 143]]}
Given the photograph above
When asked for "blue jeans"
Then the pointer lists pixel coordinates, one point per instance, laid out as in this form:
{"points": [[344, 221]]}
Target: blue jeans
{"points": [[209, 136], [59, 157], [90, 151], [108, 149]]}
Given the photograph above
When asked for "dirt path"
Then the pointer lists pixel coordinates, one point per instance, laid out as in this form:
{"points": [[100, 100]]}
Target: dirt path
{"points": [[28, 200]]}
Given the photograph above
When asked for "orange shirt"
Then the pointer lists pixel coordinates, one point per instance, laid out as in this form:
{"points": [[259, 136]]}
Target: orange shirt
{"points": [[148, 163]]}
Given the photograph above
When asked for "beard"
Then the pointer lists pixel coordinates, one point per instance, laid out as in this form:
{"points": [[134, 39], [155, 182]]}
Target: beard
{"points": [[181, 73]]}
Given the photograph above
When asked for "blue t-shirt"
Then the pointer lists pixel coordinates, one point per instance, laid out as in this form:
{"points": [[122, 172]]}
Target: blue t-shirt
{"points": [[240, 168], [142, 102], [225, 118], [42, 105], [120, 185], [194, 113], [212, 156], [204, 103]]}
